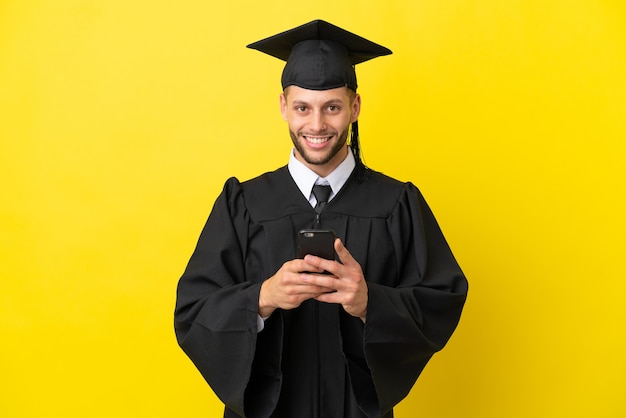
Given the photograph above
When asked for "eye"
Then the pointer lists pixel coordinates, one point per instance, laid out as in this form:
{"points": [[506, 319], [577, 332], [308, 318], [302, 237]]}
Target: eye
{"points": [[300, 108]]}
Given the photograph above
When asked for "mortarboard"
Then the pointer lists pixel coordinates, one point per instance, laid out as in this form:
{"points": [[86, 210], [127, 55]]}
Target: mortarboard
{"points": [[319, 55]]}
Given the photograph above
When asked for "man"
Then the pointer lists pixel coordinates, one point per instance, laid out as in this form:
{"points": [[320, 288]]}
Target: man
{"points": [[280, 336]]}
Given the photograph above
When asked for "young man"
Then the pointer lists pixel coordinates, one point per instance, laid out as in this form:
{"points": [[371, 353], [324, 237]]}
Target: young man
{"points": [[280, 336]]}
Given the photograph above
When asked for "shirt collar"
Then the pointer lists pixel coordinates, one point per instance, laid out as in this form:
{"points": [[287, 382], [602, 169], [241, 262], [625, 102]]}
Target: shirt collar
{"points": [[305, 178]]}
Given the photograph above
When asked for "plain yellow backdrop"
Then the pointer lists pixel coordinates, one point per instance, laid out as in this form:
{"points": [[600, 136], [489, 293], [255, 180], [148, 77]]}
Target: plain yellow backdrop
{"points": [[121, 120]]}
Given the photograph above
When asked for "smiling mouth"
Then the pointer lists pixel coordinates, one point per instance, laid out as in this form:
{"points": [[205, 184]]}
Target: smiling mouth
{"points": [[316, 139]]}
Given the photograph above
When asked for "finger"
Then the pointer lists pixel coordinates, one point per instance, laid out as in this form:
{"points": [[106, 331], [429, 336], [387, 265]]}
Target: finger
{"points": [[321, 264], [312, 291], [302, 265], [343, 253], [329, 297], [324, 281]]}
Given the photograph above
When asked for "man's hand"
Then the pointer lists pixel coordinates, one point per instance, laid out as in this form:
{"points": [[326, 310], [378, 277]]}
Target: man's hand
{"points": [[347, 283], [287, 289]]}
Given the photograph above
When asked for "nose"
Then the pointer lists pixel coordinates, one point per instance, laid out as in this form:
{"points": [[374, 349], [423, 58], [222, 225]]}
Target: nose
{"points": [[318, 123]]}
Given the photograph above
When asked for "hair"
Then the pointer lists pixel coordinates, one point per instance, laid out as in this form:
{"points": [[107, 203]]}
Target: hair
{"points": [[355, 147]]}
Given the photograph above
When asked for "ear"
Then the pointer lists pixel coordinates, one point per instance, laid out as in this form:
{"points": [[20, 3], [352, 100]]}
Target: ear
{"points": [[356, 108], [283, 105]]}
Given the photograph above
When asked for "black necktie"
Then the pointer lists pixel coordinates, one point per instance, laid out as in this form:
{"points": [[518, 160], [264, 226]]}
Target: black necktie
{"points": [[321, 194]]}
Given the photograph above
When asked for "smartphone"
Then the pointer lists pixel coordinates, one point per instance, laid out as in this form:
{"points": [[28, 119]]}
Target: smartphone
{"points": [[318, 242]]}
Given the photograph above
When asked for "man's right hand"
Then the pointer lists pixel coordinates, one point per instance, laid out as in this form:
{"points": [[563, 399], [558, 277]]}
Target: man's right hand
{"points": [[287, 290]]}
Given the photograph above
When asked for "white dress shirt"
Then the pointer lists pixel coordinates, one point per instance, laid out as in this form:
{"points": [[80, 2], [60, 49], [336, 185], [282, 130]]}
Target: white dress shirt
{"points": [[305, 178]]}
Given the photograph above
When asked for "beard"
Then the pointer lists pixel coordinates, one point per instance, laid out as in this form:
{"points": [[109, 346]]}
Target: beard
{"points": [[323, 159]]}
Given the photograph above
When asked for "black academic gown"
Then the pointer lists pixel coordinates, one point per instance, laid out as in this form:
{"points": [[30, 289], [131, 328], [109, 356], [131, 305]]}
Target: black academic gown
{"points": [[316, 361]]}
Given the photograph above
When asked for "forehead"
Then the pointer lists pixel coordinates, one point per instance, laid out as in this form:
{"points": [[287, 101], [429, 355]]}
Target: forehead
{"points": [[295, 93]]}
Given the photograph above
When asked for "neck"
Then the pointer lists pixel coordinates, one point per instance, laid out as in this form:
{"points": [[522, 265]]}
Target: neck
{"points": [[323, 170]]}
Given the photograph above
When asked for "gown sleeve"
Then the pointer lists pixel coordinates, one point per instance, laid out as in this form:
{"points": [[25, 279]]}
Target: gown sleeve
{"points": [[410, 321], [215, 318]]}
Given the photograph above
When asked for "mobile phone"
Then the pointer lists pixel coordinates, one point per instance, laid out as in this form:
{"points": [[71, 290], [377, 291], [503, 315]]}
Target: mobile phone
{"points": [[318, 242]]}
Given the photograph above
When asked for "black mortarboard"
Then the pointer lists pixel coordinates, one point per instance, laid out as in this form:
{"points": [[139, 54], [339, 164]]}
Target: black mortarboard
{"points": [[319, 55]]}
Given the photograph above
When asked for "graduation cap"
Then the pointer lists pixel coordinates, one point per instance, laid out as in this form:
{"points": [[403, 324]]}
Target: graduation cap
{"points": [[319, 55]]}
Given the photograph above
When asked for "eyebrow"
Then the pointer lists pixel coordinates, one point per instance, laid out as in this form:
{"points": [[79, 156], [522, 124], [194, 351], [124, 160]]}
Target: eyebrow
{"points": [[326, 103]]}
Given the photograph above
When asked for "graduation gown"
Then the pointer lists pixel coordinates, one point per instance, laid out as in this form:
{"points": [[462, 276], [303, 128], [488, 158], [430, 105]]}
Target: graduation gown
{"points": [[316, 361]]}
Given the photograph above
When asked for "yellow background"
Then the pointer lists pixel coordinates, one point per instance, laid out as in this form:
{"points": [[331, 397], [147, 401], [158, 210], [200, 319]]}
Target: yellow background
{"points": [[120, 120]]}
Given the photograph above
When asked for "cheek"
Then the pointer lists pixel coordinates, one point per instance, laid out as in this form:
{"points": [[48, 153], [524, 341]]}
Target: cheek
{"points": [[298, 118], [294, 123], [342, 122]]}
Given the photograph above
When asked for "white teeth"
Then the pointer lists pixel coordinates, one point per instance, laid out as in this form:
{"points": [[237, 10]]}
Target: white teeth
{"points": [[316, 140]]}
